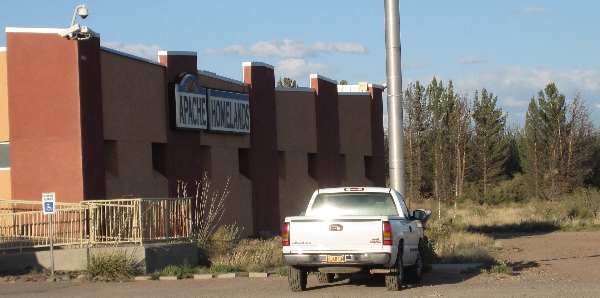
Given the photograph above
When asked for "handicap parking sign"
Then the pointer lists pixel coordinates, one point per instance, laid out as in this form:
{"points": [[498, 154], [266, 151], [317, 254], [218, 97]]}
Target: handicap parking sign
{"points": [[48, 202]]}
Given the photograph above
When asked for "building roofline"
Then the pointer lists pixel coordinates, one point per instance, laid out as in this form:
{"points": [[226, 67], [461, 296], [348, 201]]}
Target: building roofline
{"points": [[177, 53], [257, 64], [124, 54], [353, 93], [219, 77], [324, 78], [34, 30], [296, 89], [376, 86]]}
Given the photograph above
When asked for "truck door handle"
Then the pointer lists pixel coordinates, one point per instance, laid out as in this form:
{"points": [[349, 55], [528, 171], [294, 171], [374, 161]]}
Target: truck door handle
{"points": [[410, 229]]}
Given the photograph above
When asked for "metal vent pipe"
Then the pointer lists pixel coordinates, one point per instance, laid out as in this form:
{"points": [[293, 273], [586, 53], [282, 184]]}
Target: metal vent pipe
{"points": [[394, 95]]}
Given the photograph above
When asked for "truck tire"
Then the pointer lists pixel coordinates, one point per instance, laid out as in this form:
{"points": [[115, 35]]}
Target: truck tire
{"points": [[393, 280], [325, 278], [414, 273], [297, 279]]}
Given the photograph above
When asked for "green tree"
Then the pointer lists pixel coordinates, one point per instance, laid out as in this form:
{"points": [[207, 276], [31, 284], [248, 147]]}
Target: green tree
{"points": [[287, 83], [417, 128], [489, 140], [343, 82]]}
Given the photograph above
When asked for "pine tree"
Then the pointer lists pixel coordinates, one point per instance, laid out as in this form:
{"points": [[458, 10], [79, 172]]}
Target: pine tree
{"points": [[416, 136], [489, 140], [287, 83]]}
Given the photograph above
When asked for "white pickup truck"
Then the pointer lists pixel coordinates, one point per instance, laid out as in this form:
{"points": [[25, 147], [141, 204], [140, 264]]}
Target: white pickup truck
{"points": [[352, 229]]}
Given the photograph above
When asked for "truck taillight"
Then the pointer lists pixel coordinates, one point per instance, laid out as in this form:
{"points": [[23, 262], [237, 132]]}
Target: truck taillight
{"points": [[387, 233], [285, 234]]}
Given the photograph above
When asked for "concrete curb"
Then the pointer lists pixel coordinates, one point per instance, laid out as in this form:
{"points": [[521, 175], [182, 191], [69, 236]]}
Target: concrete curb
{"points": [[203, 276], [258, 274], [167, 278], [455, 267], [233, 275], [142, 278]]}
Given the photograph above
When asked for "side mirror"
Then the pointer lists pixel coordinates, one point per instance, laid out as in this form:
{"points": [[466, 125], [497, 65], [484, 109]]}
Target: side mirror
{"points": [[421, 214]]}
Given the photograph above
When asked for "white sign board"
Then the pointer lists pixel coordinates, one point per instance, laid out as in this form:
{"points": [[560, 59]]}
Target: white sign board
{"points": [[49, 202], [228, 111], [190, 104]]}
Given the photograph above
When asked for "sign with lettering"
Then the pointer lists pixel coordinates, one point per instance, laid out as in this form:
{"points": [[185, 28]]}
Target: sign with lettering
{"points": [[228, 111], [190, 104], [48, 202]]}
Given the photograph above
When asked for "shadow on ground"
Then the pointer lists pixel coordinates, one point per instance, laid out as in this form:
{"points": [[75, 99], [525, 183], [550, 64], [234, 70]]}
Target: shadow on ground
{"points": [[507, 231], [378, 281]]}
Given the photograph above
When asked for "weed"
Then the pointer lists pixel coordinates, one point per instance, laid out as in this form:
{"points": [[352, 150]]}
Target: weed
{"points": [[116, 266], [500, 267]]}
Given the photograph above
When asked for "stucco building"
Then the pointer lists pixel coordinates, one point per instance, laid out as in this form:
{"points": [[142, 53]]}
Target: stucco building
{"points": [[90, 122]]}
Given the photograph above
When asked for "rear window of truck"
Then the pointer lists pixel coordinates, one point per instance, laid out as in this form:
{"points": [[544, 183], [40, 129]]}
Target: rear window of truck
{"points": [[362, 204]]}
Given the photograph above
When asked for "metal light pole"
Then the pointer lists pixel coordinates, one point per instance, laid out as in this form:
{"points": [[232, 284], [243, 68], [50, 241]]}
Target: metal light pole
{"points": [[394, 95]]}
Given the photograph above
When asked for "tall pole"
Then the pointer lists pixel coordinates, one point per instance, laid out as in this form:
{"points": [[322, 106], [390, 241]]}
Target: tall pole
{"points": [[394, 95]]}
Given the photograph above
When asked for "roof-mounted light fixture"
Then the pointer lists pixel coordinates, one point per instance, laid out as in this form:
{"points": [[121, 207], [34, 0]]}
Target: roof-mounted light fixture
{"points": [[75, 31]]}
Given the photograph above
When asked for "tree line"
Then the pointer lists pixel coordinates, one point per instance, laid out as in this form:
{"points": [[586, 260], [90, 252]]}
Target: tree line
{"points": [[459, 146]]}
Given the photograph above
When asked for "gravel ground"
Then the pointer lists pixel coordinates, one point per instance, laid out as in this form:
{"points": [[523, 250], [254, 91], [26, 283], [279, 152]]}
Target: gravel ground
{"points": [[551, 265]]}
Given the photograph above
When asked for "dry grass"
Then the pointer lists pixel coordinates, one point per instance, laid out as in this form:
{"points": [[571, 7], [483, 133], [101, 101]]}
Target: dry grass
{"points": [[253, 255]]}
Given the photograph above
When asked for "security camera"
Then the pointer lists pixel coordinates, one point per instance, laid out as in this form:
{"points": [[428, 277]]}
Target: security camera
{"points": [[82, 11]]}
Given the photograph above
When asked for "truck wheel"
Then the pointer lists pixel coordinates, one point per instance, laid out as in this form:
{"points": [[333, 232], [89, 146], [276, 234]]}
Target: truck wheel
{"points": [[297, 279], [393, 280], [414, 274], [325, 278]]}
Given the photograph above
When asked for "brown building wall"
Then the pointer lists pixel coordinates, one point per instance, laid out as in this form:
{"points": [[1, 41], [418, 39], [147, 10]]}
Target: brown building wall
{"points": [[296, 131], [134, 117], [329, 170], [355, 137], [45, 122], [376, 164], [264, 170]]}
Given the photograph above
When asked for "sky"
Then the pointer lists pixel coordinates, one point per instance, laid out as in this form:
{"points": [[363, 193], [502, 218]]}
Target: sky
{"points": [[512, 48]]}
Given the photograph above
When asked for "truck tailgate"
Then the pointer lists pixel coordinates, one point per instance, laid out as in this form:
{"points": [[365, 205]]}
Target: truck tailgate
{"points": [[344, 234]]}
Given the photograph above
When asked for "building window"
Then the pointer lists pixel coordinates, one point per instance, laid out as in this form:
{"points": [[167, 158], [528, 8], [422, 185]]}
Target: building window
{"points": [[111, 157], [159, 158], [244, 162], [4, 155], [281, 164], [312, 165]]}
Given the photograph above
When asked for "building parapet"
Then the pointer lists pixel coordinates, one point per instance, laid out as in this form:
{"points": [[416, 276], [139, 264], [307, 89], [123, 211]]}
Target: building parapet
{"points": [[131, 56], [297, 89], [219, 77]]}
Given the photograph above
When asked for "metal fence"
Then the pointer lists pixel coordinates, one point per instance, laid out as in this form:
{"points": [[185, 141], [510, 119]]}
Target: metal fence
{"points": [[93, 223]]}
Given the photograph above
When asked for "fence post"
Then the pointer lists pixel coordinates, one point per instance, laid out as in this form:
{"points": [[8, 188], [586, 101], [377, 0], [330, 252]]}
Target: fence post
{"points": [[140, 205]]}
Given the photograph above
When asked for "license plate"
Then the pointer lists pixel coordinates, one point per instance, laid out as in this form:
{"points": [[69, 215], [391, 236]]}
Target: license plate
{"points": [[336, 259]]}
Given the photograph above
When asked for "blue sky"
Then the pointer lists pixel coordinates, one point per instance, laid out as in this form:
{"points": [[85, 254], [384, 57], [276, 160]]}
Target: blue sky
{"points": [[513, 48]]}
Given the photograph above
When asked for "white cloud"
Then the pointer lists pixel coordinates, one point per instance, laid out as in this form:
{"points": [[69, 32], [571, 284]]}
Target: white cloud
{"points": [[288, 48], [298, 68], [532, 10], [137, 49], [514, 103], [472, 60], [516, 85]]}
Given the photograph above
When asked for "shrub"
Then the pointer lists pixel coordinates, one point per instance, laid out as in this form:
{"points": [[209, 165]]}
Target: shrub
{"points": [[500, 267], [223, 268], [224, 240], [116, 266], [181, 272], [253, 255]]}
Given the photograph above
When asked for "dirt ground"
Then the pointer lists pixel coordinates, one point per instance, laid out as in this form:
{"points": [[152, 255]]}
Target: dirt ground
{"points": [[551, 265]]}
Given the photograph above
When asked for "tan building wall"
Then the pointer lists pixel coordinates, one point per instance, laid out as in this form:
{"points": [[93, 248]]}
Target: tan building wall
{"points": [[4, 174], [134, 117], [224, 162], [296, 137], [3, 98], [355, 137]]}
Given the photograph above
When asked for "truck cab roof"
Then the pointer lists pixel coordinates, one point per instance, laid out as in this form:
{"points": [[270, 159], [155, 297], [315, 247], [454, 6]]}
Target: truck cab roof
{"points": [[354, 189]]}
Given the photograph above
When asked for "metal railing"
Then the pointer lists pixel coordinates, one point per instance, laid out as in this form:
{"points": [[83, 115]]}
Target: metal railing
{"points": [[98, 222]]}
